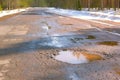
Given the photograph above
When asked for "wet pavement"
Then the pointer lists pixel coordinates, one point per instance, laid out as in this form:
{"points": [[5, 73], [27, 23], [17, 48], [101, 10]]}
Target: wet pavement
{"points": [[31, 40]]}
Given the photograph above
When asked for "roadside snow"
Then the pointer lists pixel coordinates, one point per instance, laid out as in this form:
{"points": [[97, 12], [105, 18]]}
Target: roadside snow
{"points": [[69, 57], [99, 15], [9, 12]]}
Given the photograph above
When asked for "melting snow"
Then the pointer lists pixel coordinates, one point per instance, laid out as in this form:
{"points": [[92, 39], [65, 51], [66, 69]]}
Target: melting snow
{"points": [[99, 15], [46, 28], [55, 42], [69, 57], [9, 12]]}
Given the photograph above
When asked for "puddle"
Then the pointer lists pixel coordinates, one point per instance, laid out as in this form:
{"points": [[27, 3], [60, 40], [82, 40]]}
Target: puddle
{"points": [[69, 57], [108, 43], [91, 57], [77, 57]]}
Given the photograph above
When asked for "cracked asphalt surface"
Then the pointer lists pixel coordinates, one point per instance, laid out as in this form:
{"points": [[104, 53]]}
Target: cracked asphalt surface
{"points": [[29, 40]]}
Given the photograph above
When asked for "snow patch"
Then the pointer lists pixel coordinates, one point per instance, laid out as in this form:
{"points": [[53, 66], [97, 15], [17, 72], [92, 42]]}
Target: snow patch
{"points": [[9, 12], [110, 15], [69, 57], [46, 28], [87, 15], [55, 42]]}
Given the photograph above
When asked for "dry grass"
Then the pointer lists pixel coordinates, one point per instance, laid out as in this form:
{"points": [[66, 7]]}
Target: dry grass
{"points": [[91, 37], [108, 43], [90, 56]]}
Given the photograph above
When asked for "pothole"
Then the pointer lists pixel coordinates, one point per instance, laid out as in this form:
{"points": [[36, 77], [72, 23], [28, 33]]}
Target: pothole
{"points": [[91, 37], [108, 43], [49, 27], [91, 56], [75, 40], [77, 57]]}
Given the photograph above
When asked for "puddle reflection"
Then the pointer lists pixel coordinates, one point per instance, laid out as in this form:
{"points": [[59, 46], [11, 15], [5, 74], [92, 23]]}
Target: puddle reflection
{"points": [[76, 57]]}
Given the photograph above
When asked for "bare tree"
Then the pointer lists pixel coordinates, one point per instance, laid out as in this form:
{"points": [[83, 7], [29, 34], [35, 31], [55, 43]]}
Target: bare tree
{"points": [[102, 4], [89, 4]]}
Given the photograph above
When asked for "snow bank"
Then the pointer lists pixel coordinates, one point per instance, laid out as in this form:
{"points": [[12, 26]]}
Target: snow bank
{"points": [[9, 12], [69, 57], [99, 15]]}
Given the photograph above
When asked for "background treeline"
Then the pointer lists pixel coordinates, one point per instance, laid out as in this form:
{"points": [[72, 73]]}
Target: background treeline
{"points": [[69, 4]]}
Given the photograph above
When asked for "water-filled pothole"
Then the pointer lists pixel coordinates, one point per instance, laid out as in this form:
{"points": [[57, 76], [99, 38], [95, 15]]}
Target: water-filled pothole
{"points": [[91, 37], [108, 43], [77, 57]]}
